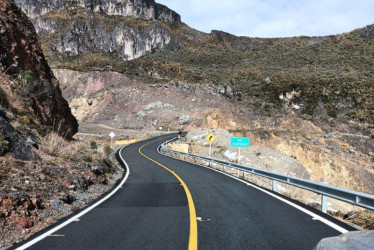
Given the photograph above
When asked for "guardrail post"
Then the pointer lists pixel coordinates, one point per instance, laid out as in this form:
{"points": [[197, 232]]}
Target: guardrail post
{"points": [[324, 202], [274, 185], [244, 175], [224, 168]]}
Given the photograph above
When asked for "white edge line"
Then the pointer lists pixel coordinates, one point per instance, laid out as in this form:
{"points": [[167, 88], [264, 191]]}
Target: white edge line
{"points": [[315, 216], [41, 237]]}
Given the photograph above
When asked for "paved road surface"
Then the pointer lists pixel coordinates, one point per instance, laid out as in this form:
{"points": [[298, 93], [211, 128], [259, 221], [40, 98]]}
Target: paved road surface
{"points": [[151, 211]]}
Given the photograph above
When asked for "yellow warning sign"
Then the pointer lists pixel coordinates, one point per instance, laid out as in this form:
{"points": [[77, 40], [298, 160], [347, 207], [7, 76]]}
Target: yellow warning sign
{"points": [[210, 138]]}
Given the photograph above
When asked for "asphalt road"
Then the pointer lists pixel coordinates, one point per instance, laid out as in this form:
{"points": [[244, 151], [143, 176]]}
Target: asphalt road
{"points": [[151, 211]]}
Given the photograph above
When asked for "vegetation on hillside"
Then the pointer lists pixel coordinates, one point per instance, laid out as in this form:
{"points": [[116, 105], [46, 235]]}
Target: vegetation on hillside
{"points": [[335, 70]]}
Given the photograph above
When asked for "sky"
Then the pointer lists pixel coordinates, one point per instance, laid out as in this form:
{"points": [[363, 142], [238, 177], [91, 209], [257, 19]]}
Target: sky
{"points": [[275, 18]]}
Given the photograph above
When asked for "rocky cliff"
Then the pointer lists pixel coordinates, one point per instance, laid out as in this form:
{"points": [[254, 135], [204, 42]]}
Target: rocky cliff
{"points": [[127, 29], [145, 9], [22, 60]]}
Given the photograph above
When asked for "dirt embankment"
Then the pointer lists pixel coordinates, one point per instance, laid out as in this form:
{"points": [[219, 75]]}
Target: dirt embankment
{"points": [[124, 102]]}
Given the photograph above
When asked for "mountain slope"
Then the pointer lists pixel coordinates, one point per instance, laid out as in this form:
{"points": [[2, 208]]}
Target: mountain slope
{"points": [[128, 29], [331, 75]]}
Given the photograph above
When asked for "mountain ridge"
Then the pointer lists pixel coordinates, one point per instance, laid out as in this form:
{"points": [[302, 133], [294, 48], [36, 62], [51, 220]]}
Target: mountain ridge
{"points": [[146, 9]]}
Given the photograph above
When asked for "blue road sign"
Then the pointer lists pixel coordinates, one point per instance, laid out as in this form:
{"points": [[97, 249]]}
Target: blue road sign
{"points": [[239, 142]]}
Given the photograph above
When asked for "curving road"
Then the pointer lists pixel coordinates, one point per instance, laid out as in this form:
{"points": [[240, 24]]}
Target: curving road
{"points": [[152, 211]]}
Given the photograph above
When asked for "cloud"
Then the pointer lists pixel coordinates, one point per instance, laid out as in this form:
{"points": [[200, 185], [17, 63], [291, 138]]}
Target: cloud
{"points": [[275, 18]]}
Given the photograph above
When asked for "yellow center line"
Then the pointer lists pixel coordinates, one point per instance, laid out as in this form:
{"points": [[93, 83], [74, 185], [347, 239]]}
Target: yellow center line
{"points": [[192, 244]]}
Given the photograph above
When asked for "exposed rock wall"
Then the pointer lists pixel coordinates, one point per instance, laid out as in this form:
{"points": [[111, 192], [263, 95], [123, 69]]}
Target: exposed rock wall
{"points": [[89, 26], [145, 9], [84, 36], [20, 54]]}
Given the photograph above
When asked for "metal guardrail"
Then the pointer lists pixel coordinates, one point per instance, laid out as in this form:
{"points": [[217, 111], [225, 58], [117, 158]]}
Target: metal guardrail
{"points": [[356, 198]]}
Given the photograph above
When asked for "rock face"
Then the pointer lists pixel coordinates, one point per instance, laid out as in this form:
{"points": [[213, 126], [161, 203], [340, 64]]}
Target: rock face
{"points": [[11, 142], [83, 27], [125, 41], [21, 57], [145, 9]]}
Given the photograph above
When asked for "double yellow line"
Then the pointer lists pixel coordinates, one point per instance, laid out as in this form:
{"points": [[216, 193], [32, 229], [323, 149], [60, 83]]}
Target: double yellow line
{"points": [[192, 244]]}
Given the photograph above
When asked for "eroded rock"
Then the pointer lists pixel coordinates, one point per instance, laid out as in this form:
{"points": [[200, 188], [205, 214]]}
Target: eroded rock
{"points": [[14, 144], [22, 57], [184, 119]]}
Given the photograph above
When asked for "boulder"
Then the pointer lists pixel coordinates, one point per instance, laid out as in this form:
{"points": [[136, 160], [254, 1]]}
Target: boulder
{"points": [[184, 119], [25, 223], [14, 144], [267, 80], [361, 240], [68, 199], [320, 112], [228, 91]]}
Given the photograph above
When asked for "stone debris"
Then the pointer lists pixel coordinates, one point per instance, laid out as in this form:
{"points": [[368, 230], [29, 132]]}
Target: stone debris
{"points": [[184, 119], [141, 114], [158, 105]]}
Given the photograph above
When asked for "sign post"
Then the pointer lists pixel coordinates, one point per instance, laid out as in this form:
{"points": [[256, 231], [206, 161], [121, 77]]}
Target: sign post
{"points": [[210, 138], [239, 157], [239, 142], [112, 134]]}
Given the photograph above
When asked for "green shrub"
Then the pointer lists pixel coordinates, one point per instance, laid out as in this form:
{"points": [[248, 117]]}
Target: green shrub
{"points": [[26, 77], [93, 144], [108, 150]]}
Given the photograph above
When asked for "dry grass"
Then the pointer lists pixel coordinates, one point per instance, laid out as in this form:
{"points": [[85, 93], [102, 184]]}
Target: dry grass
{"points": [[364, 219], [8, 99], [4, 101], [5, 94], [53, 144], [57, 146]]}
